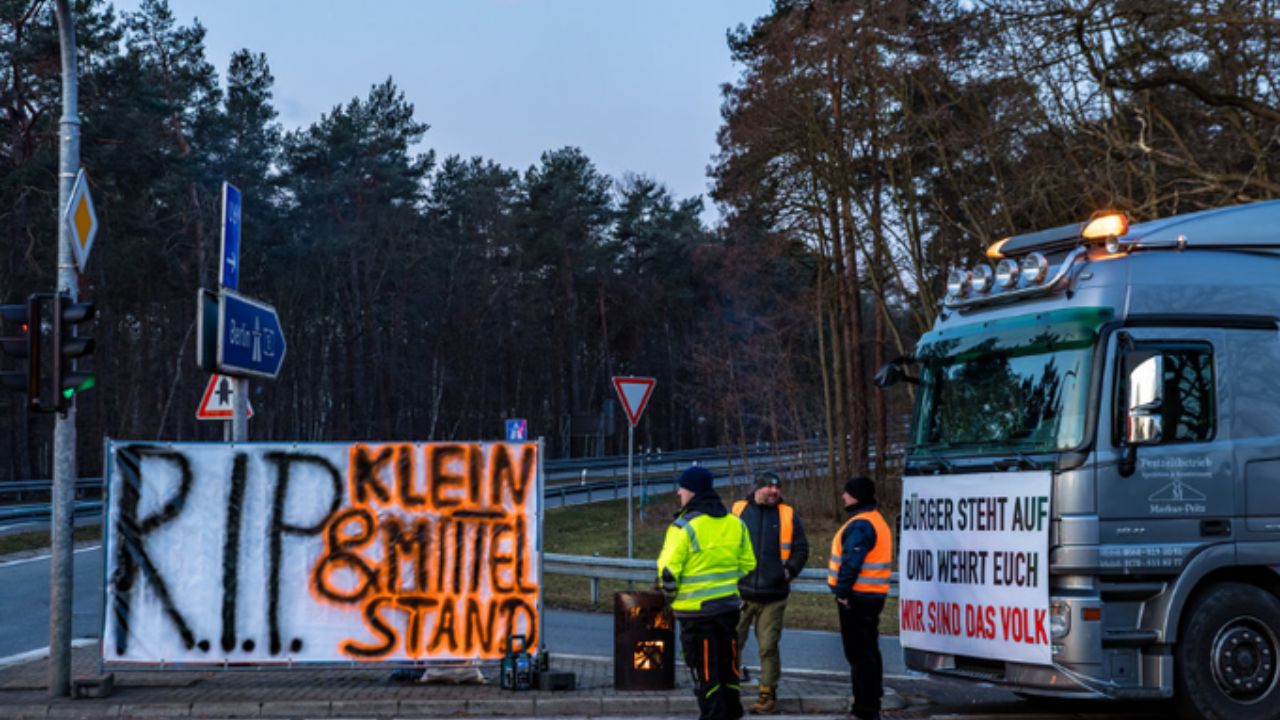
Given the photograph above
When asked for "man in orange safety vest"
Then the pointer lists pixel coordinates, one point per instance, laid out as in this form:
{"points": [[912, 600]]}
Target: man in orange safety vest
{"points": [[858, 573]]}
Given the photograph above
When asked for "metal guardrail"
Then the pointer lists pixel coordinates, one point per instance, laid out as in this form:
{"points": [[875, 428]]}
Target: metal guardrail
{"points": [[810, 580], [654, 472], [650, 462], [553, 465], [654, 482], [35, 512], [39, 486], [15, 508]]}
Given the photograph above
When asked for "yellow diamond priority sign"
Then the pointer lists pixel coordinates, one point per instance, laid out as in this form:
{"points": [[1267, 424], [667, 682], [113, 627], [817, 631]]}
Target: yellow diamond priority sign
{"points": [[81, 220]]}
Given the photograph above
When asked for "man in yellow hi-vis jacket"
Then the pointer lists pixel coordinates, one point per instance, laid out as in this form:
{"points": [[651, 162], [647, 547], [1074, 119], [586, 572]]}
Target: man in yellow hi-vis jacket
{"points": [[705, 553]]}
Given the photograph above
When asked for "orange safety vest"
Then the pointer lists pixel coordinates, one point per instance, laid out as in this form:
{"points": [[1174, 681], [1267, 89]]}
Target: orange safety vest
{"points": [[785, 514], [873, 578]]}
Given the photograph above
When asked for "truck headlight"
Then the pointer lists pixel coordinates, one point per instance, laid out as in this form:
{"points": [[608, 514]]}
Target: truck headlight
{"points": [[1007, 273], [981, 278], [1059, 619], [1035, 268], [958, 283]]}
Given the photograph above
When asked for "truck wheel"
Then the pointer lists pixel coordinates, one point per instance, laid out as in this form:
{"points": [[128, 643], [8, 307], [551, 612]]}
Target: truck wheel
{"points": [[1227, 655]]}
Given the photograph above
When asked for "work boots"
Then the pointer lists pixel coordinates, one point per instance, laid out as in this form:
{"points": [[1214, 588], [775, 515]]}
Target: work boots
{"points": [[767, 703]]}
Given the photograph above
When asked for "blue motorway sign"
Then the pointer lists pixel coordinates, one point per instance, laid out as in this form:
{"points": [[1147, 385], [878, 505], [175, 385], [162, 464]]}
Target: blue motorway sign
{"points": [[230, 236], [517, 430], [250, 339]]}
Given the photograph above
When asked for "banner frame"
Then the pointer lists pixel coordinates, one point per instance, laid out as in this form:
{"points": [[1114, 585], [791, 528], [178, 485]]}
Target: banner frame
{"points": [[110, 447]]}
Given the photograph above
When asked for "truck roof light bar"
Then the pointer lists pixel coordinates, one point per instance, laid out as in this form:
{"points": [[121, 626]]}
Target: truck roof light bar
{"points": [[1102, 227], [957, 301]]}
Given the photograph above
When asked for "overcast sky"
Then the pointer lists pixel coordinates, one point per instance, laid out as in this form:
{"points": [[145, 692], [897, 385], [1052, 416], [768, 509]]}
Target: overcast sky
{"points": [[636, 85]]}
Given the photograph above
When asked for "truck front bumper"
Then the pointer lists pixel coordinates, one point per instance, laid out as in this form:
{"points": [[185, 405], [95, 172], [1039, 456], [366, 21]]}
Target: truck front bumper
{"points": [[1023, 678]]}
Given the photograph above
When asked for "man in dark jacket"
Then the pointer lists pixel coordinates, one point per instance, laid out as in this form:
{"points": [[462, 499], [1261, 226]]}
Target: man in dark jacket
{"points": [[781, 551], [858, 574]]}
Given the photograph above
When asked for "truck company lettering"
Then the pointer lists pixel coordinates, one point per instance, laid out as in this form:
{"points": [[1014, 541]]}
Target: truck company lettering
{"points": [[973, 568], [264, 554]]}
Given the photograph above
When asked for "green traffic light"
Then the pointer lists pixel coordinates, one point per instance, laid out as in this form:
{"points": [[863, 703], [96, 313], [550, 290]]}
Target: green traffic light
{"points": [[88, 384]]}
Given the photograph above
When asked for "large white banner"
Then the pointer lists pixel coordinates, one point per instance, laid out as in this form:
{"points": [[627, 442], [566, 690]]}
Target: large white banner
{"points": [[284, 553], [973, 573]]}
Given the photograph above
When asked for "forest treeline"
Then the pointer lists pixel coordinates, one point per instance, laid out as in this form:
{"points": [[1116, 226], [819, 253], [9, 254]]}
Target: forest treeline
{"points": [[865, 148]]}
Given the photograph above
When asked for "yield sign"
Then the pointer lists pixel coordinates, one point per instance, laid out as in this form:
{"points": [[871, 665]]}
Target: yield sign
{"points": [[634, 393], [81, 220], [219, 399]]}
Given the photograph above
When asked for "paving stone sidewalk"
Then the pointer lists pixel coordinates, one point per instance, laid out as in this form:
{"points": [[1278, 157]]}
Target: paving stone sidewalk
{"points": [[357, 693]]}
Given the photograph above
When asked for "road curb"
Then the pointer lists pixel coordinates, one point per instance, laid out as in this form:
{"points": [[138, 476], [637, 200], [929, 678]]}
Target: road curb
{"points": [[595, 705]]}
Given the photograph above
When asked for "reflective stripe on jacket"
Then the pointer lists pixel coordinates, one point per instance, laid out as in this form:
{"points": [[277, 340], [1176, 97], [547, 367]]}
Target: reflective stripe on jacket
{"points": [[877, 565], [702, 559], [786, 532]]}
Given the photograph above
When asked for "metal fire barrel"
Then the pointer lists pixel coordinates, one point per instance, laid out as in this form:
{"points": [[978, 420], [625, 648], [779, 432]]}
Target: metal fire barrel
{"points": [[644, 642]]}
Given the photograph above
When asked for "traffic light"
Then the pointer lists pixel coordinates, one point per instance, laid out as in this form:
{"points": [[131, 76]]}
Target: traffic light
{"points": [[17, 345], [67, 347]]}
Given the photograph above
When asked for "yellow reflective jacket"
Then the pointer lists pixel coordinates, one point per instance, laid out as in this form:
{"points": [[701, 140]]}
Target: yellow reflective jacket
{"points": [[701, 561]]}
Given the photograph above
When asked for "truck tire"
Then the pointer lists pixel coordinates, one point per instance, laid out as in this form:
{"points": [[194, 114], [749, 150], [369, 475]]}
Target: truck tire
{"points": [[1227, 665]]}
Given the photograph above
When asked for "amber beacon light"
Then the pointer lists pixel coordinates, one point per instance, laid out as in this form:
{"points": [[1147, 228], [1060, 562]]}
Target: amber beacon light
{"points": [[1107, 225]]}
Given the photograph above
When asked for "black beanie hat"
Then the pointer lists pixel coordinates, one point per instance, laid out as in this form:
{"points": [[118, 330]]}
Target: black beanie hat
{"points": [[696, 479], [862, 488], [767, 478]]}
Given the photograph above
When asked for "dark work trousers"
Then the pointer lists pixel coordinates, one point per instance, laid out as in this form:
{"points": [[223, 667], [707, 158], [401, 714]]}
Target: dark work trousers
{"points": [[710, 647], [860, 635]]}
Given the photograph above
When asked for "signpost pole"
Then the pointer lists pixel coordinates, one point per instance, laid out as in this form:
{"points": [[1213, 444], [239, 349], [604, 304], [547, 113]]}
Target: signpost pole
{"points": [[229, 277], [64, 432], [240, 413], [631, 447], [634, 393]]}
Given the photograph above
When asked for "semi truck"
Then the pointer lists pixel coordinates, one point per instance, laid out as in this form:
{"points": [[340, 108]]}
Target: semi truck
{"points": [[1091, 502]]}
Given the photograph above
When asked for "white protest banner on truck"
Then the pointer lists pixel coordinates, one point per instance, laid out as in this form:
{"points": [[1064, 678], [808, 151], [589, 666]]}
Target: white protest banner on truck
{"points": [[279, 553], [973, 569]]}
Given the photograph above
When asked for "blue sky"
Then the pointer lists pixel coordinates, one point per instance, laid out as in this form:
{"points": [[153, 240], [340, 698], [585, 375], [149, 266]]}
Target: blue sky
{"points": [[635, 84]]}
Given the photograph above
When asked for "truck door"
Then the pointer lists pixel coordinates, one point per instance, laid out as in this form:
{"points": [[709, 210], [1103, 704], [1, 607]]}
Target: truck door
{"points": [[1161, 502], [1255, 431]]}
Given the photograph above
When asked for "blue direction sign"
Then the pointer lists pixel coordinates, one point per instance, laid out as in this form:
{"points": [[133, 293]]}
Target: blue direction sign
{"points": [[250, 339], [230, 236], [517, 430]]}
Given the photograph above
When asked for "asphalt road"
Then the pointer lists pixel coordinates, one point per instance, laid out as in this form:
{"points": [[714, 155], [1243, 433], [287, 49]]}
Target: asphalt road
{"points": [[24, 620], [24, 627]]}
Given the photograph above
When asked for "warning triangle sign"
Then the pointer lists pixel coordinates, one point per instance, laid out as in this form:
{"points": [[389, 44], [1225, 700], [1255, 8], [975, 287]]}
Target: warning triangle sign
{"points": [[634, 393], [219, 399]]}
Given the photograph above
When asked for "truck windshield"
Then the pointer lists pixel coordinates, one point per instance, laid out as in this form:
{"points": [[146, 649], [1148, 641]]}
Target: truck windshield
{"points": [[1016, 384]]}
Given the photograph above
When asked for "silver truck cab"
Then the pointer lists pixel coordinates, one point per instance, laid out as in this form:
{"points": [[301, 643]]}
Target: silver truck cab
{"points": [[1140, 366]]}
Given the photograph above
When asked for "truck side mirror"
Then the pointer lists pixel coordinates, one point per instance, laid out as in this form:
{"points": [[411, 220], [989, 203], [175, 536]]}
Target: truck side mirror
{"points": [[1145, 424], [893, 373]]}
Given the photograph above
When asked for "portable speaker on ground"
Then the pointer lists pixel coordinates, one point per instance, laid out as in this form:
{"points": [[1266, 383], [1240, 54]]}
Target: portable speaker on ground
{"points": [[517, 664]]}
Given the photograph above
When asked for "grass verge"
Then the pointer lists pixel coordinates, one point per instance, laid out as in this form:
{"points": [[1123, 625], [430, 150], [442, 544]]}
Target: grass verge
{"points": [[601, 529], [19, 542]]}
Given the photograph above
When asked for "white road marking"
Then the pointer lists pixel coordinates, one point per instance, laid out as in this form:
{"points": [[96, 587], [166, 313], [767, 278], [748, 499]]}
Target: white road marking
{"points": [[41, 653], [44, 556]]}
